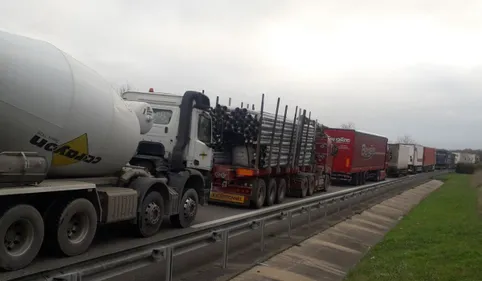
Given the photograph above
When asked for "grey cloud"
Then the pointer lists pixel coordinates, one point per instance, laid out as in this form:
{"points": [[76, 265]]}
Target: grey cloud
{"points": [[217, 45]]}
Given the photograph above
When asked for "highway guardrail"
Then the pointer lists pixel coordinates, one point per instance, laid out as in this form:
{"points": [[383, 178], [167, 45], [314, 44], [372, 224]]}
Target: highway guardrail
{"points": [[221, 231]]}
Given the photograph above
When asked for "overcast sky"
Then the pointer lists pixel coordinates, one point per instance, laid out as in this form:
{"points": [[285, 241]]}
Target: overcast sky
{"points": [[391, 67]]}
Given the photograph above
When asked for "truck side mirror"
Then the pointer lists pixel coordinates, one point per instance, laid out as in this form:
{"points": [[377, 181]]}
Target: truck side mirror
{"points": [[334, 151]]}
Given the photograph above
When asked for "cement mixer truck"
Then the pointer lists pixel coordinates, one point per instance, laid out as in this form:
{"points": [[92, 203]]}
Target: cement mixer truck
{"points": [[66, 141]]}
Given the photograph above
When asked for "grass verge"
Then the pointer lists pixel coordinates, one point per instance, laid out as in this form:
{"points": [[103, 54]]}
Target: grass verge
{"points": [[440, 239]]}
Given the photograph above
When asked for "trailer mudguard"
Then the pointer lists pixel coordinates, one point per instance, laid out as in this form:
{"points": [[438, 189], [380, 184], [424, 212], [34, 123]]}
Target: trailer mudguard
{"points": [[143, 185]]}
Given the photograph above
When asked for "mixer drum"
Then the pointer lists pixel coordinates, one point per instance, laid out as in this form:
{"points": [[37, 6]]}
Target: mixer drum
{"points": [[52, 104]]}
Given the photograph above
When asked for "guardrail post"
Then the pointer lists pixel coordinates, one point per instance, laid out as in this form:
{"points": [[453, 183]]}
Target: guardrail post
{"points": [[225, 236], [290, 219], [350, 205], [261, 230], [168, 255], [309, 215]]}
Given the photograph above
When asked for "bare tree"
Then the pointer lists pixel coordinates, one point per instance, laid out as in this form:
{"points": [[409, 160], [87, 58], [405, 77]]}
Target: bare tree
{"points": [[349, 125], [124, 88], [406, 139]]}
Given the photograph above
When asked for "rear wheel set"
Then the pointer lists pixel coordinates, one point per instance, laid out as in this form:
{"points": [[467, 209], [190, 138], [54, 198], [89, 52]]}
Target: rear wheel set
{"points": [[327, 183], [358, 179], [22, 230], [272, 191], [281, 191], [310, 185], [187, 209], [70, 228], [259, 194]]}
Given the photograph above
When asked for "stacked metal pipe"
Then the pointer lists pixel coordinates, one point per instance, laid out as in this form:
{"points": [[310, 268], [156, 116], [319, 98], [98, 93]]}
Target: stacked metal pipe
{"points": [[236, 131]]}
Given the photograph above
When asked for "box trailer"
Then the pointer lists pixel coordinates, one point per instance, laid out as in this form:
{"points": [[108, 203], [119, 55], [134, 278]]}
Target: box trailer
{"points": [[429, 159], [418, 158], [466, 158], [442, 159], [399, 159], [456, 157], [361, 156], [411, 154]]}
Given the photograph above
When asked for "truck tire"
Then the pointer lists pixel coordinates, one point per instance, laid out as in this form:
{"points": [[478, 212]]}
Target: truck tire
{"points": [[73, 226], [152, 213], [378, 176], [258, 196], [303, 187], [18, 251], [363, 178], [310, 186], [187, 209], [355, 178], [327, 183], [271, 193], [281, 191]]}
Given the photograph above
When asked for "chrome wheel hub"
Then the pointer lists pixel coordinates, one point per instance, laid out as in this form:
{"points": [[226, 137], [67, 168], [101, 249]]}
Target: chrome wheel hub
{"points": [[153, 213]]}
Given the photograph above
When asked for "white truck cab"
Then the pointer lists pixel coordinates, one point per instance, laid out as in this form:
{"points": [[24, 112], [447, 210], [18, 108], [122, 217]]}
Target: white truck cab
{"points": [[187, 130]]}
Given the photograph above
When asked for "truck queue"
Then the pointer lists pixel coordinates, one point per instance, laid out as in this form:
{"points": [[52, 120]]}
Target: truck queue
{"points": [[75, 155]]}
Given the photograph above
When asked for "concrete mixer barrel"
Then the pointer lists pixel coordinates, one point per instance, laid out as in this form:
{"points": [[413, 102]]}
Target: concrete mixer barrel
{"points": [[52, 104]]}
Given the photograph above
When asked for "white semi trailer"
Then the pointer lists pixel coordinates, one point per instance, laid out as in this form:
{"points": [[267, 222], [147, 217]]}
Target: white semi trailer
{"points": [[66, 138], [399, 158], [418, 158]]}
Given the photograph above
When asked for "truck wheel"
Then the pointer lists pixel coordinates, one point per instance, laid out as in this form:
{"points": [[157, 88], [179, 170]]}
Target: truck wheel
{"points": [[152, 212], [303, 187], [73, 226], [258, 197], [327, 183], [22, 230], [281, 192], [187, 209], [310, 186], [272, 192], [354, 179], [378, 176]]}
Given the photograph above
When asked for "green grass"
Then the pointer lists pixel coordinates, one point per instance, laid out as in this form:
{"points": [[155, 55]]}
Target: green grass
{"points": [[440, 239]]}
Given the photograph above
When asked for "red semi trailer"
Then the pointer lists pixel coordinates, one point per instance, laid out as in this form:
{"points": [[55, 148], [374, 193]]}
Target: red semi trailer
{"points": [[360, 157], [429, 159]]}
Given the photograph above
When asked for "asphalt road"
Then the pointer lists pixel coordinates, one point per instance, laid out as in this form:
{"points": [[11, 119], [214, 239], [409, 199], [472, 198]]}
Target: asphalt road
{"points": [[199, 265], [115, 238]]}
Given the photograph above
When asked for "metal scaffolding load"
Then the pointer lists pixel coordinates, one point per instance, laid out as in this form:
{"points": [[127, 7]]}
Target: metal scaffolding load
{"points": [[243, 134]]}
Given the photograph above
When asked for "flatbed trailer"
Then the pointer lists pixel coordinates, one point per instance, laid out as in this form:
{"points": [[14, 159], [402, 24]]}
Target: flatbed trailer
{"points": [[264, 186]]}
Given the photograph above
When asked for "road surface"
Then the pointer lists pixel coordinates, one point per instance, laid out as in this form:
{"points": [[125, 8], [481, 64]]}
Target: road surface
{"points": [[115, 238]]}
